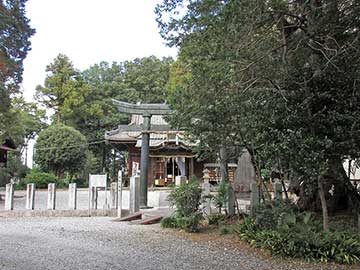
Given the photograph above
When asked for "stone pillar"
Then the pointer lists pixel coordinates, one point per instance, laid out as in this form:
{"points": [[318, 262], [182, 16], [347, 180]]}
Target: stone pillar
{"points": [[114, 195], [180, 180], [51, 199], [278, 191], [144, 160], [119, 193], [94, 197], [9, 197], [134, 194], [30, 196], [254, 197], [207, 201], [72, 196]]}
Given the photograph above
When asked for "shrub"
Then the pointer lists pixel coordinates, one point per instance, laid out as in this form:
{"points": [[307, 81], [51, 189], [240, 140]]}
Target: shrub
{"points": [[222, 197], [298, 235], [186, 199], [268, 215], [189, 223], [61, 149], [169, 222], [39, 178], [225, 229], [217, 219]]}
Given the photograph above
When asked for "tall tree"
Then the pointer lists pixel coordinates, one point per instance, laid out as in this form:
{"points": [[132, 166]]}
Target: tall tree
{"points": [[287, 72], [63, 89], [15, 33], [148, 76]]}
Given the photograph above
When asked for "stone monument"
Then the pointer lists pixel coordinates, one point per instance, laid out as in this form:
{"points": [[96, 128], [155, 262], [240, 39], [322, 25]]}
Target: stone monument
{"points": [[244, 175]]}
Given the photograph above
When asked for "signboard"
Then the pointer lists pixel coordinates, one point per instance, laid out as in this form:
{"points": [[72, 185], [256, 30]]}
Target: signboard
{"points": [[135, 169], [97, 180]]}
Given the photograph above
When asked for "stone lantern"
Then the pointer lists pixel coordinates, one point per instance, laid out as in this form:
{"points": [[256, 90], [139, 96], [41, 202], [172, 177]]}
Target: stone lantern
{"points": [[206, 175]]}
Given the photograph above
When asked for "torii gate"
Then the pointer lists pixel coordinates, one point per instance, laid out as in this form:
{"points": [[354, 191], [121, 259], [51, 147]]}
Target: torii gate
{"points": [[146, 110]]}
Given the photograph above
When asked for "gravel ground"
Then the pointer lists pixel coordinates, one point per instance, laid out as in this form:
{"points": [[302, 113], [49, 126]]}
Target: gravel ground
{"points": [[98, 243]]}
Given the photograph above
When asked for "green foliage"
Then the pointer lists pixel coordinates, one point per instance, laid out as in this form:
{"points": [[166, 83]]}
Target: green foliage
{"points": [[39, 178], [188, 223], [15, 33], [29, 119], [148, 76], [278, 78], [169, 222], [222, 197], [186, 198], [60, 149], [217, 219], [14, 169], [225, 229], [271, 214], [64, 90], [286, 232]]}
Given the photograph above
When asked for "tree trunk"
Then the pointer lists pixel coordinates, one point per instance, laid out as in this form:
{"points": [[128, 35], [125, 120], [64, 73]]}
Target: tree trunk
{"points": [[224, 165], [337, 191], [323, 204], [259, 179]]}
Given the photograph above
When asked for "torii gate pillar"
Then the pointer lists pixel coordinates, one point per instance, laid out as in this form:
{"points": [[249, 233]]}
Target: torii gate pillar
{"points": [[146, 110], [144, 160]]}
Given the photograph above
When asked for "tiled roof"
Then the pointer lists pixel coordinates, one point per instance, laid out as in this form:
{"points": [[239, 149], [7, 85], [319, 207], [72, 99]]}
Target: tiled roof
{"points": [[161, 133]]}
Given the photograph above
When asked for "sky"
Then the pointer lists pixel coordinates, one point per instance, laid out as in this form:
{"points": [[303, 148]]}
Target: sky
{"points": [[88, 32]]}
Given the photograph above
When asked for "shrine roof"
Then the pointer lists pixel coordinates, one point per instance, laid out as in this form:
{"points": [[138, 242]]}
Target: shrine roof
{"points": [[160, 133]]}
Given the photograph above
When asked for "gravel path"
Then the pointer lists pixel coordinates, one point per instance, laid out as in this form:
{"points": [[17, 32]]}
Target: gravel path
{"points": [[98, 243]]}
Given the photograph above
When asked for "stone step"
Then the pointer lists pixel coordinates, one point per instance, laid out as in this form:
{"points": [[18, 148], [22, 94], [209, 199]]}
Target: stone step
{"points": [[149, 220], [131, 217]]}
